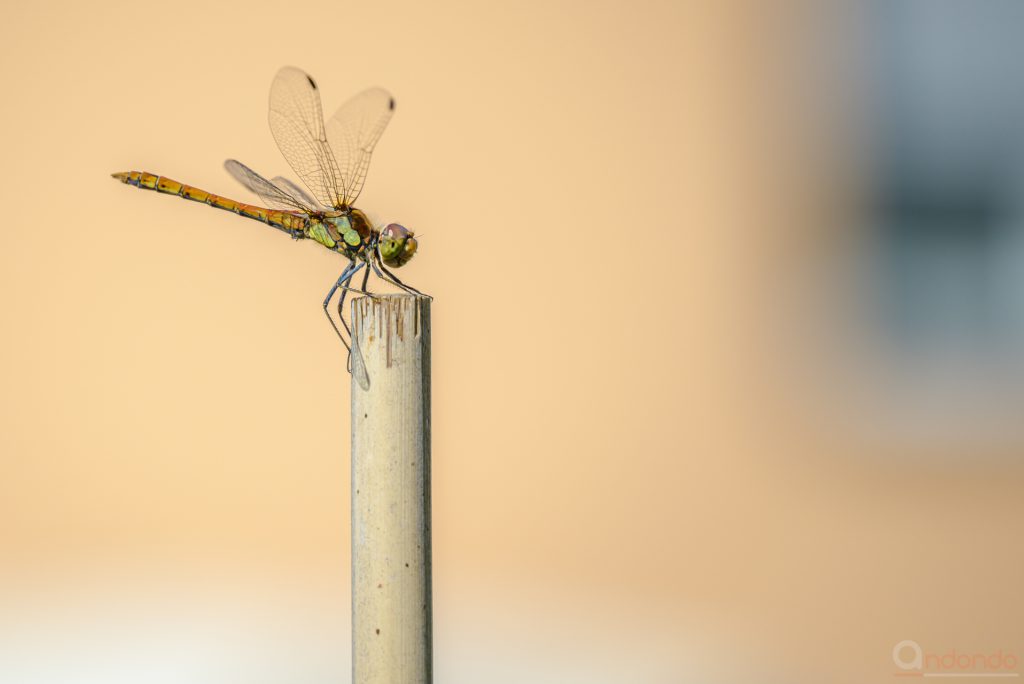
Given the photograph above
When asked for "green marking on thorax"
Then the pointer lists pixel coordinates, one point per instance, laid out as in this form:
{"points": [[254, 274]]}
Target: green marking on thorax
{"points": [[351, 237], [345, 230], [318, 232]]}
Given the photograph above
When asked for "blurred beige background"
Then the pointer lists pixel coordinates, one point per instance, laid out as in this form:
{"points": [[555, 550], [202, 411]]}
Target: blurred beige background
{"points": [[651, 462]]}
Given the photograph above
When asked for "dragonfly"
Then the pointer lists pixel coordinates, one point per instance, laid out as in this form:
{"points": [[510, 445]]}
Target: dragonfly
{"points": [[331, 158]]}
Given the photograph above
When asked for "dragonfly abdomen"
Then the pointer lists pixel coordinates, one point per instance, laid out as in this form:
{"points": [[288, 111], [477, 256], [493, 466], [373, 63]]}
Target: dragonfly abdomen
{"points": [[283, 220]]}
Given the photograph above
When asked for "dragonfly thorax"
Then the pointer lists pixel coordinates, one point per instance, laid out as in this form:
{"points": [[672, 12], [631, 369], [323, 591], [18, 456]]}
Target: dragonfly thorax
{"points": [[360, 223], [348, 227]]}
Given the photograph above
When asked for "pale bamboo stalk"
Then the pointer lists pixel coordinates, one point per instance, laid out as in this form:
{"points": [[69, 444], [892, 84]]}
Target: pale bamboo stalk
{"points": [[391, 569]]}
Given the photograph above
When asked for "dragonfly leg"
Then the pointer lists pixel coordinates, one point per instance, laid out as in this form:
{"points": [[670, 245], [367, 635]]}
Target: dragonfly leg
{"points": [[345, 288], [386, 275], [366, 279], [342, 282], [343, 285], [362, 288]]}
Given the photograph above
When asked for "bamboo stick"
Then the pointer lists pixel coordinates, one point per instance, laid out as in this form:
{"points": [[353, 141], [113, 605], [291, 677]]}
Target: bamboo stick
{"points": [[391, 569]]}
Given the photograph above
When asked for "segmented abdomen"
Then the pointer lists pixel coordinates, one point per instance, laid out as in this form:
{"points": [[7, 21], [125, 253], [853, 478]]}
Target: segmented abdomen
{"points": [[291, 223]]}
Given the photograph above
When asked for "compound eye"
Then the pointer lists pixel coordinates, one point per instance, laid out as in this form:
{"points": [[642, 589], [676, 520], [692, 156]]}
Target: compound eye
{"points": [[395, 231]]}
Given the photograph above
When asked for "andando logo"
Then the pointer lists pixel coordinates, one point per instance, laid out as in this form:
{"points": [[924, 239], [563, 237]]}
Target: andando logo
{"points": [[914, 661]]}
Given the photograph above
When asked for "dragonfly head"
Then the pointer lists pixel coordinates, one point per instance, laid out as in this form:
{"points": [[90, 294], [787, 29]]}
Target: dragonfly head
{"points": [[396, 245]]}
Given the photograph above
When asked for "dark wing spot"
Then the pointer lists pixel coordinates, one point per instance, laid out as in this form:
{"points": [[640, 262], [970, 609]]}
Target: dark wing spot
{"points": [[311, 81], [391, 104]]}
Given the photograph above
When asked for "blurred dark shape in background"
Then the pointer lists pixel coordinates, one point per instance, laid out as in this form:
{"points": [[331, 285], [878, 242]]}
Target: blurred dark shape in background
{"points": [[942, 275]]}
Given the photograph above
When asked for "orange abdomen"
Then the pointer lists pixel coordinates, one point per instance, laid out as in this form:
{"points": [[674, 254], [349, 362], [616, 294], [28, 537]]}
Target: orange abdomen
{"points": [[290, 222]]}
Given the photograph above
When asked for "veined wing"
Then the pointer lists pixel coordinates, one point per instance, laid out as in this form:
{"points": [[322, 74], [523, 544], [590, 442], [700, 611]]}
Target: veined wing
{"points": [[297, 123], [273, 194], [294, 190], [332, 160], [353, 132]]}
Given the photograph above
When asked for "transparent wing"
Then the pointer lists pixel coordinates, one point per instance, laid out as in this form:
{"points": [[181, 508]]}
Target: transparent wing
{"points": [[294, 190], [274, 195], [353, 132], [297, 123]]}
